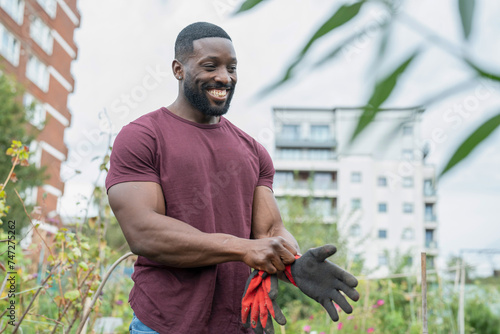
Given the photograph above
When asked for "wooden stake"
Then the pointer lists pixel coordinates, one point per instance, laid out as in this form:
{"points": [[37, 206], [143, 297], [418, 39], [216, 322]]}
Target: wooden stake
{"points": [[424, 292]]}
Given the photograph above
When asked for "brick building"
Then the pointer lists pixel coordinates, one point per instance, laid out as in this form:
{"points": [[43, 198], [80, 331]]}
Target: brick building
{"points": [[37, 47]]}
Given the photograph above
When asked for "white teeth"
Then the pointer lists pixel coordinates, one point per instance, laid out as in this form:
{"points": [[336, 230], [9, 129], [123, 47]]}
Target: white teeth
{"points": [[217, 92]]}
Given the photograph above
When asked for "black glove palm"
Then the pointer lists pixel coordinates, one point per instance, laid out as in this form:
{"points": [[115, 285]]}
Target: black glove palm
{"points": [[323, 280]]}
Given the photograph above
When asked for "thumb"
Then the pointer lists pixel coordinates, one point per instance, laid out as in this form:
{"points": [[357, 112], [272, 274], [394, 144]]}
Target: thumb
{"points": [[323, 252]]}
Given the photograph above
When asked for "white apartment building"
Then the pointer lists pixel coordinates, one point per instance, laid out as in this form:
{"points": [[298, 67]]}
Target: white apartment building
{"points": [[379, 189]]}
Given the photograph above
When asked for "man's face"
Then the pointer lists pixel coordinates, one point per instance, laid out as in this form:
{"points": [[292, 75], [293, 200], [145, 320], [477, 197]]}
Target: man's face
{"points": [[210, 75]]}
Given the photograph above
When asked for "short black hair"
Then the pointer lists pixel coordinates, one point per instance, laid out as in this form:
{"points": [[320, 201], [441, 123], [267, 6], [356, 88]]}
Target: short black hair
{"points": [[194, 31]]}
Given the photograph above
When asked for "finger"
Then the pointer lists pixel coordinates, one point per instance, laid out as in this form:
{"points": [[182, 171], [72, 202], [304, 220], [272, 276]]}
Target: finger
{"points": [[278, 315], [269, 328], [287, 253], [323, 252], [344, 276], [263, 311], [258, 329], [255, 313], [272, 286], [330, 308], [352, 293], [341, 301]]}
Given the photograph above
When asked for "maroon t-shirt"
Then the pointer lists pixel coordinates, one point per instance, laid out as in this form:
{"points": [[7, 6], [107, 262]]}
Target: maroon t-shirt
{"points": [[208, 174]]}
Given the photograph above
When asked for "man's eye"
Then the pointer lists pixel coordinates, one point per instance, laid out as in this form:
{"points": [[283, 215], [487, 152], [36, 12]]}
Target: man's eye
{"points": [[209, 67]]}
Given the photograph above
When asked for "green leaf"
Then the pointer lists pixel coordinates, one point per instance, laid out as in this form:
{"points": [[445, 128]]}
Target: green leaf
{"points": [[381, 93], [477, 137], [343, 15], [72, 295], [249, 4], [84, 266], [482, 72], [466, 8]]}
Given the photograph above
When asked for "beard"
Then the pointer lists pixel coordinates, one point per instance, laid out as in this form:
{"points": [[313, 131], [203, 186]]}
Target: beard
{"points": [[198, 98]]}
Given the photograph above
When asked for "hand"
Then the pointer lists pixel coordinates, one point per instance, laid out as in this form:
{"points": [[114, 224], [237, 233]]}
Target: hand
{"points": [[269, 254], [259, 303], [323, 280]]}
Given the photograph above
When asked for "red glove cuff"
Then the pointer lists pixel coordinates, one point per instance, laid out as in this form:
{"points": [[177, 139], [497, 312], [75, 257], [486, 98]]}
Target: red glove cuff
{"points": [[288, 272]]}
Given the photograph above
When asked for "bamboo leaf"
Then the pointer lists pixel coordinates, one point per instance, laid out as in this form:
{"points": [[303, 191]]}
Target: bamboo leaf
{"points": [[382, 91], [248, 4], [482, 72], [343, 15], [466, 9], [469, 144]]}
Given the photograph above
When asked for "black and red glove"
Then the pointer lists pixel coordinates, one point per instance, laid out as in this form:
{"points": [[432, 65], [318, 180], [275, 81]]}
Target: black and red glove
{"points": [[323, 280], [258, 304]]}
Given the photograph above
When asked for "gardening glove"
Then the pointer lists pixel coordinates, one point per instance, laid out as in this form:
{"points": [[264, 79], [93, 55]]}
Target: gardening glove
{"points": [[258, 304], [323, 280]]}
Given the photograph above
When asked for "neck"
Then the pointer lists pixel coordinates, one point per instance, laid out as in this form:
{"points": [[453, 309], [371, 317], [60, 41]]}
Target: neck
{"points": [[184, 109]]}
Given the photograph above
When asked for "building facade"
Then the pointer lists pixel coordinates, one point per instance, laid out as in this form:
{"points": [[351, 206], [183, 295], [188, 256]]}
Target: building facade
{"points": [[38, 48], [378, 189]]}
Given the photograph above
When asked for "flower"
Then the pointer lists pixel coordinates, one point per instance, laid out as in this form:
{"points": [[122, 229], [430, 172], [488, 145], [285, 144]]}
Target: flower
{"points": [[306, 328], [380, 302], [119, 302], [311, 317], [350, 317], [370, 330], [338, 308], [340, 325]]}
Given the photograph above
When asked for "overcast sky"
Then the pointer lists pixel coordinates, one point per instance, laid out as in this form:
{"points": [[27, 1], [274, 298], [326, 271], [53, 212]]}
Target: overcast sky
{"points": [[123, 67]]}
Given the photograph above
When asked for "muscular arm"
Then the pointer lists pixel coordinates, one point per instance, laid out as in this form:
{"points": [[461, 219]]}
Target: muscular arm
{"points": [[266, 220], [140, 210]]}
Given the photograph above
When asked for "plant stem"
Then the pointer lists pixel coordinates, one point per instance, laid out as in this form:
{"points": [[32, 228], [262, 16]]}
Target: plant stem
{"points": [[10, 173], [34, 297], [98, 292]]}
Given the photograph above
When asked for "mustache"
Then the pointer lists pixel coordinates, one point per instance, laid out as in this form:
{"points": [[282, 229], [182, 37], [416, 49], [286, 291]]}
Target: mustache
{"points": [[217, 86]]}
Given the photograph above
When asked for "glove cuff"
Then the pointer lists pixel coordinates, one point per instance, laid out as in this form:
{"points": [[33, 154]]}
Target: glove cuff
{"points": [[288, 272]]}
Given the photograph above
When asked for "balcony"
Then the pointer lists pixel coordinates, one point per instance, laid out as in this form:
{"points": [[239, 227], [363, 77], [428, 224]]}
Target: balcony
{"points": [[305, 185], [297, 142], [430, 218], [431, 244]]}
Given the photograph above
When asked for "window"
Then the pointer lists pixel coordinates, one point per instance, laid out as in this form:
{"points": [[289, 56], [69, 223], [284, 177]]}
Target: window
{"points": [[38, 73], [15, 8], [409, 261], [429, 188], [320, 154], [407, 130], [10, 46], [382, 234], [355, 203], [290, 153], [290, 132], [322, 180], [382, 181], [429, 212], [382, 207], [408, 234], [320, 133], [283, 179], [35, 157], [49, 6], [41, 34], [408, 207], [408, 182], [322, 206], [407, 154], [355, 177], [34, 111], [355, 230], [382, 260], [429, 238]]}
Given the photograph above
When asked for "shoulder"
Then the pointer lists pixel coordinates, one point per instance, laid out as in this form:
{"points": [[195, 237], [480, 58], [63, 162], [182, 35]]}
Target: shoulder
{"points": [[243, 135]]}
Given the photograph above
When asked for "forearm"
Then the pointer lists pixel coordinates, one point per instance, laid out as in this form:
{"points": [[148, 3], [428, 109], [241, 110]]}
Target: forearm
{"points": [[175, 243]]}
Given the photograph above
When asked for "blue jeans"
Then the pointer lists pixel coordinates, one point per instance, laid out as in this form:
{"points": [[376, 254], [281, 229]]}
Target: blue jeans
{"points": [[137, 327]]}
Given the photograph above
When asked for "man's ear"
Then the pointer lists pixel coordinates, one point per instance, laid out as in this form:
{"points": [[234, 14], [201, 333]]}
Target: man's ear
{"points": [[178, 69]]}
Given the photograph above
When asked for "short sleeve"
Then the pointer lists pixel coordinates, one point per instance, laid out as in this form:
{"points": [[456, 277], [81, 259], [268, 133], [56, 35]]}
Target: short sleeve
{"points": [[133, 157], [266, 174]]}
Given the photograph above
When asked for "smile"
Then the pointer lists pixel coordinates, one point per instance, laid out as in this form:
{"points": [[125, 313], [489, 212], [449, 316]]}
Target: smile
{"points": [[219, 94]]}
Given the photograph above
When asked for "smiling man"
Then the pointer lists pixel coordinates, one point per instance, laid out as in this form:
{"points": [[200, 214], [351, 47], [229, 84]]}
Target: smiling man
{"points": [[193, 196]]}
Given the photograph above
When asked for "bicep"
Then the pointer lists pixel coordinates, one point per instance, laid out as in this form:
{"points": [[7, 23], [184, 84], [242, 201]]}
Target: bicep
{"points": [[133, 202], [266, 218]]}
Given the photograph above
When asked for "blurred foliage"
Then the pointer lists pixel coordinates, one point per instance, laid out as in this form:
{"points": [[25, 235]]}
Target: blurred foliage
{"points": [[13, 126], [346, 12]]}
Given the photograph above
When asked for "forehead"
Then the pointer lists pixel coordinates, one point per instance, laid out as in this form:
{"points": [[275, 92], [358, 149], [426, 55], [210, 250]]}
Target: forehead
{"points": [[213, 47]]}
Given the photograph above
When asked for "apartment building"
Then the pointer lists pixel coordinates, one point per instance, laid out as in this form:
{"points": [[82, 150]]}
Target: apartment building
{"points": [[378, 189], [38, 48]]}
